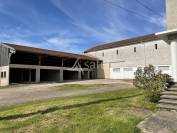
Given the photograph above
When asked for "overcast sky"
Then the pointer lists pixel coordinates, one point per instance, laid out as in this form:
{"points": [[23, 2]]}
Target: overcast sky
{"points": [[75, 25]]}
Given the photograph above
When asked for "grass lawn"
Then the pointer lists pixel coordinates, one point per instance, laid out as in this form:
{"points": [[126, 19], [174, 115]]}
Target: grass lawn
{"points": [[112, 112], [80, 86]]}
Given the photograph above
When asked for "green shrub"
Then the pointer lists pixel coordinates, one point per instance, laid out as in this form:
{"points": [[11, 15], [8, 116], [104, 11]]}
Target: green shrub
{"points": [[152, 81]]}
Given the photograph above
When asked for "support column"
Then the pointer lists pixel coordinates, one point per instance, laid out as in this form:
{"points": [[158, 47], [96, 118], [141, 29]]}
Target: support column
{"points": [[37, 75], [79, 75], [173, 47], [61, 75], [88, 74], [30, 75]]}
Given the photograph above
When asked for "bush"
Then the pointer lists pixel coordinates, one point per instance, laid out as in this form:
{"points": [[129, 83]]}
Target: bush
{"points": [[152, 81]]}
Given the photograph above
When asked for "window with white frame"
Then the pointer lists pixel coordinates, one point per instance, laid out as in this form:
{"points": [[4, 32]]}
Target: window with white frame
{"points": [[127, 69], [117, 70], [164, 68]]}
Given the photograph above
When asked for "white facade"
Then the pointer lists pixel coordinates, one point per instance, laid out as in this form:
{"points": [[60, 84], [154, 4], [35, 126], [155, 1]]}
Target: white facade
{"points": [[170, 37], [4, 75], [124, 61]]}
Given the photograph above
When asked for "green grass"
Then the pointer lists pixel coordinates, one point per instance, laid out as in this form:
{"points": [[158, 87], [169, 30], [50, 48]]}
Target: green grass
{"points": [[113, 112], [80, 86]]}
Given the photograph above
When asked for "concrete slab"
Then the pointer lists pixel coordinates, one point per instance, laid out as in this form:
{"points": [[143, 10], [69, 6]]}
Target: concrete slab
{"points": [[161, 122]]}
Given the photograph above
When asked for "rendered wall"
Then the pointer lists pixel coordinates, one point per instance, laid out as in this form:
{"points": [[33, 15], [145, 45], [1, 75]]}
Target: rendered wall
{"points": [[4, 81], [145, 54], [171, 6], [106, 70]]}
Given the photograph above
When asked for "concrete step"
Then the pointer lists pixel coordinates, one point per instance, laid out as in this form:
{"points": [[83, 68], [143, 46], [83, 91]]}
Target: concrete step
{"points": [[169, 93], [168, 106], [175, 86], [168, 101], [172, 89], [174, 97]]}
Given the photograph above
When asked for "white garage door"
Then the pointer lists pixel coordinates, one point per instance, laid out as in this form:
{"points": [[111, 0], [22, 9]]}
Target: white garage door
{"points": [[122, 73]]}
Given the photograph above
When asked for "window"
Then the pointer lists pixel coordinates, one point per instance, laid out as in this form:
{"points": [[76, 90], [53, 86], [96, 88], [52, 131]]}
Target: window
{"points": [[2, 74], [128, 69], [164, 68], [117, 52], [155, 46], [135, 49], [116, 70]]}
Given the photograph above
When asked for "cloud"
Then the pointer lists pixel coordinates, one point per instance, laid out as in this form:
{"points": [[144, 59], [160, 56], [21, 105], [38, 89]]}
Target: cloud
{"points": [[110, 23], [70, 26], [158, 20], [55, 43], [66, 44]]}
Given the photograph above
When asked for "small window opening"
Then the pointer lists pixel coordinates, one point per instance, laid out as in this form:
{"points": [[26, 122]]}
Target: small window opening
{"points": [[155, 46], [2, 74], [135, 49], [117, 52]]}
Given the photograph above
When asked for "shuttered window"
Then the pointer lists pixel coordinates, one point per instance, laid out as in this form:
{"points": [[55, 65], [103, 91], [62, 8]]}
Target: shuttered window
{"points": [[117, 70]]}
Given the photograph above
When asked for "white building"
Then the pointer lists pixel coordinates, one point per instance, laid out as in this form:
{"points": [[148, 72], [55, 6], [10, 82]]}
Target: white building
{"points": [[122, 58]]}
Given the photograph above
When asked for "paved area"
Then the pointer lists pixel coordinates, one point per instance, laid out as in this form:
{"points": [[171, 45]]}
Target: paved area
{"points": [[27, 93], [161, 122]]}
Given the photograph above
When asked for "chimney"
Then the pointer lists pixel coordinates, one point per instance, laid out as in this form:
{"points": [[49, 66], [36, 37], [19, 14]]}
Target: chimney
{"points": [[171, 13]]}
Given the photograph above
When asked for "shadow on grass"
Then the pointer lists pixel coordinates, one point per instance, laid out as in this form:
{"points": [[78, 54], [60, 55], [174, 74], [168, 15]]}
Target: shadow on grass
{"points": [[56, 108]]}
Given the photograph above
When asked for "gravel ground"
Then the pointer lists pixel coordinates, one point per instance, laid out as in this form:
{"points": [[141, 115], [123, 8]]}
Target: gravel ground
{"points": [[18, 94]]}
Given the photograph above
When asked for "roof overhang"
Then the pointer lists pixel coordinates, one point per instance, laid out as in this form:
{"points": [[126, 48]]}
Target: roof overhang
{"points": [[11, 49], [164, 35]]}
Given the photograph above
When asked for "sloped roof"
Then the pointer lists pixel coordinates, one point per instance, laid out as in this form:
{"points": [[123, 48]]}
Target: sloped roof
{"points": [[126, 42], [48, 52]]}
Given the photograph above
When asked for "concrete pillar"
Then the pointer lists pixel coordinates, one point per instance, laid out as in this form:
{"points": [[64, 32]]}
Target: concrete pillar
{"points": [[88, 74], [79, 75], [173, 47], [171, 14], [38, 75], [30, 75], [61, 75]]}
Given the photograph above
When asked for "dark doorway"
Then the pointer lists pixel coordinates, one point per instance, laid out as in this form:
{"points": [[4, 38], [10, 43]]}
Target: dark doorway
{"points": [[19, 75], [50, 75], [70, 75]]}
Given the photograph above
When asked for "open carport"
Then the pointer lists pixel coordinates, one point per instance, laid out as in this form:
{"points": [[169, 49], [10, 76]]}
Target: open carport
{"points": [[71, 75], [49, 75], [20, 75]]}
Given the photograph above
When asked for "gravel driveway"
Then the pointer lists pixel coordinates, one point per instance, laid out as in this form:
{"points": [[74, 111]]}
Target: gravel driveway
{"points": [[35, 92]]}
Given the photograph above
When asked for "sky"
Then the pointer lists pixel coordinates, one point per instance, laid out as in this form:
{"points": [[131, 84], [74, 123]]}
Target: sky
{"points": [[76, 25]]}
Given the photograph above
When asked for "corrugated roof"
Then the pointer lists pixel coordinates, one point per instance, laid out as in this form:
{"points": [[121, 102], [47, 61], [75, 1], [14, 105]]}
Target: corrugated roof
{"points": [[48, 52], [126, 42]]}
